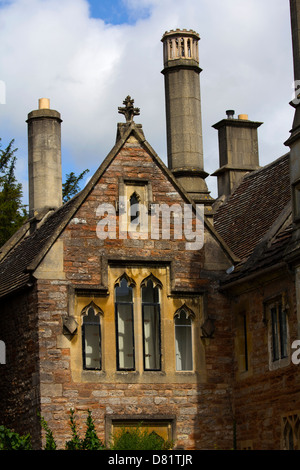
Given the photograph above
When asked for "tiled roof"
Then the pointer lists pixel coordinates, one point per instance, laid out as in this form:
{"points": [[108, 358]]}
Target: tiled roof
{"points": [[252, 209], [14, 271], [271, 253]]}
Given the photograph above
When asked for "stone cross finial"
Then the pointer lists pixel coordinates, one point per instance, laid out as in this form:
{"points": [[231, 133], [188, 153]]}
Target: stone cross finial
{"points": [[128, 110]]}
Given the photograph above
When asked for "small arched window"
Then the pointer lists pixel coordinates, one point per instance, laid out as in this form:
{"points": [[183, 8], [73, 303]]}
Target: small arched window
{"points": [[177, 52], [182, 47], [189, 48], [124, 324], [291, 432], [134, 208], [183, 340], [151, 324], [171, 50], [91, 337]]}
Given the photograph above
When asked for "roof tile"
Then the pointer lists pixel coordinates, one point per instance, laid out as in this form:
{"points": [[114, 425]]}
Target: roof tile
{"points": [[254, 206]]}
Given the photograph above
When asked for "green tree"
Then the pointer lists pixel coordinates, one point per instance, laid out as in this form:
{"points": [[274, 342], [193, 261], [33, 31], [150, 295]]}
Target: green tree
{"points": [[75, 442], [50, 442], [12, 212], [90, 441], [71, 185]]}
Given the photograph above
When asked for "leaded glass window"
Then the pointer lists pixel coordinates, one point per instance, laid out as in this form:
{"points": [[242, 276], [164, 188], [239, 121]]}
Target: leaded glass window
{"points": [[151, 326], [91, 339], [183, 341], [279, 332], [124, 325]]}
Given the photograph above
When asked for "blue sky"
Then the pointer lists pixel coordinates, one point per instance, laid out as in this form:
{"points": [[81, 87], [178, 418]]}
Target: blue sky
{"points": [[87, 56], [116, 12]]}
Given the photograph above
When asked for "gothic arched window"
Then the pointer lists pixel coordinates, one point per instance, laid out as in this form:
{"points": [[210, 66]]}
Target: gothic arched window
{"points": [[134, 208], [183, 339], [124, 324], [291, 432], [91, 337], [151, 323]]}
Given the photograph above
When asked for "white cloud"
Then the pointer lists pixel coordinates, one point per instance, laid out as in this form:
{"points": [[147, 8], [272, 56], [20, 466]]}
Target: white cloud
{"points": [[52, 48]]}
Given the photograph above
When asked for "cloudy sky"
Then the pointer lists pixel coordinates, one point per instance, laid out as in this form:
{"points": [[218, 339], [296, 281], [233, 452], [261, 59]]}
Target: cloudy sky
{"points": [[87, 56]]}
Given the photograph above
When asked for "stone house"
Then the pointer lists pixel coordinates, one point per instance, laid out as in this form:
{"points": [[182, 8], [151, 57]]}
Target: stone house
{"points": [[143, 299]]}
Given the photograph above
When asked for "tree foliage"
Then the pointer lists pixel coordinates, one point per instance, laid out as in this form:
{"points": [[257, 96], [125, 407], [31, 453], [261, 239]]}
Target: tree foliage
{"points": [[50, 442], [90, 440], [71, 185], [10, 440], [12, 211]]}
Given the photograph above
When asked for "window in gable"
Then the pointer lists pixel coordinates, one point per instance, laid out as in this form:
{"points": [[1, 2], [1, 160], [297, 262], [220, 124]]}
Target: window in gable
{"points": [[91, 337], [134, 202]]}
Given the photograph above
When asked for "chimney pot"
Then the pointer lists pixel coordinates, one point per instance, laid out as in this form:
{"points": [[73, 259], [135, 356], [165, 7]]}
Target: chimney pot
{"points": [[44, 103], [230, 113], [243, 117]]}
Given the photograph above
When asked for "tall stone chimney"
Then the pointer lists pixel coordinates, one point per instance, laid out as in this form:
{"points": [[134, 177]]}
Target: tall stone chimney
{"points": [[294, 140], [183, 112], [44, 158], [238, 150]]}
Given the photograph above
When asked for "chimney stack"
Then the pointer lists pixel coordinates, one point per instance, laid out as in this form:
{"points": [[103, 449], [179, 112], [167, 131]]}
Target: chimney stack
{"points": [[238, 150], [183, 112], [44, 158], [294, 140]]}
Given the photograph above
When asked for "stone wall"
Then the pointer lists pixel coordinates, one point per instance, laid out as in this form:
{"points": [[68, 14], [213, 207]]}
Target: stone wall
{"points": [[19, 377], [262, 396]]}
